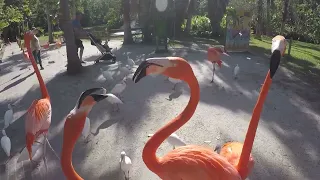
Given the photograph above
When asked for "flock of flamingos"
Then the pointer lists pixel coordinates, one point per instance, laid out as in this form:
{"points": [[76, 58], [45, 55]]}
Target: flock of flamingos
{"points": [[232, 161]]}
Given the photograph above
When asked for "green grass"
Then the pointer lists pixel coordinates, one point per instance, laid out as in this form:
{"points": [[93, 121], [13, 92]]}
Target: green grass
{"points": [[304, 57]]}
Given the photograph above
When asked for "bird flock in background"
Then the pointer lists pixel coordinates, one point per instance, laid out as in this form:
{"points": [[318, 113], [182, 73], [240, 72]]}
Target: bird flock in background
{"points": [[231, 161]]}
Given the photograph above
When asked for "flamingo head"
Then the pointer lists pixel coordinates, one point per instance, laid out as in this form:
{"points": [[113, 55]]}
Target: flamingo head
{"points": [[87, 99], [232, 152], [174, 67]]}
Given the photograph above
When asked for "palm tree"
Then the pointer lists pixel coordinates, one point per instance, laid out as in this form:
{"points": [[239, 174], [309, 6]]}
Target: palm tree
{"points": [[74, 66]]}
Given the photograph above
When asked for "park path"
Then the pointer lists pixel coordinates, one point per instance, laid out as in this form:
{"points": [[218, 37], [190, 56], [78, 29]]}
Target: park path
{"points": [[287, 144]]}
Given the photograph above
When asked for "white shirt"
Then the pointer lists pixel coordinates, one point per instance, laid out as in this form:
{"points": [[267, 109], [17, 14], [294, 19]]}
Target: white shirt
{"points": [[35, 44]]}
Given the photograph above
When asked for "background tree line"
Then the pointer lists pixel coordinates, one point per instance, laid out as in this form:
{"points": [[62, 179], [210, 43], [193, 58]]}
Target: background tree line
{"points": [[299, 19]]}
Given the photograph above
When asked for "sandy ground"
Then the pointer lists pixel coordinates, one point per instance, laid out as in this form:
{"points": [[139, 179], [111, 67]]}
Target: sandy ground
{"points": [[287, 145]]}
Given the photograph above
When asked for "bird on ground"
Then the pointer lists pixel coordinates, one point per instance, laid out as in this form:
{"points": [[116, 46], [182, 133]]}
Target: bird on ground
{"points": [[58, 44], [236, 71], [119, 88], [73, 126], [239, 154], [114, 100], [38, 118], [106, 75], [214, 54], [186, 162], [5, 143], [8, 116], [86, 129], [46, 46], [174, 140], [130, 61], [125, 165], [174, 81]]}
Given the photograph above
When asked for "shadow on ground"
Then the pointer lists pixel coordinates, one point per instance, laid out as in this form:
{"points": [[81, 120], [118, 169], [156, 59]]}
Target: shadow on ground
{"points": [[286, 118]]}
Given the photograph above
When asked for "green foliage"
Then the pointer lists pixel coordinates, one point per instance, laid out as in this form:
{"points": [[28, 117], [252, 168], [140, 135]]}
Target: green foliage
{"points": [[200, 26]]}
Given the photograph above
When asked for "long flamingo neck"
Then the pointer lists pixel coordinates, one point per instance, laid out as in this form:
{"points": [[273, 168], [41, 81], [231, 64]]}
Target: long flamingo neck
{"points": [[71, 133], [149, 151], [251, 133], [43, 87]]}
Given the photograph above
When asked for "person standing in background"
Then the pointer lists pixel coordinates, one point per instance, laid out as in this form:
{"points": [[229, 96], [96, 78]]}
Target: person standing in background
{"points": [[79, 32], [35, 47]]}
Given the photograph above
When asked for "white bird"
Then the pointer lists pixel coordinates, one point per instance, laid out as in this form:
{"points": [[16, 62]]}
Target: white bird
{"points": [[130, 61], [106, 75], [8, 116], [236, 71], [114, 50], [86, 128], [174, 140], [112, 99], [125, 70], [174, 81], [119, 88], [5, 143], [125, 165]]}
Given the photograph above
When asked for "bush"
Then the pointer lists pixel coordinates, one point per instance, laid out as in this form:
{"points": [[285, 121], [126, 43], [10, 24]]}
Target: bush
{"points": [[200, 26]]}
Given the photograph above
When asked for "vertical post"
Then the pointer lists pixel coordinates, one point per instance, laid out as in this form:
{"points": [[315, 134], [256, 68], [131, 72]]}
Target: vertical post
{"points": [[289, 49]]}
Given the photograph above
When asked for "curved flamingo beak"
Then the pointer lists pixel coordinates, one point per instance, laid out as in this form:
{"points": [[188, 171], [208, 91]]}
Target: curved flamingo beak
{"points": [[89, 92], [151, 66]]}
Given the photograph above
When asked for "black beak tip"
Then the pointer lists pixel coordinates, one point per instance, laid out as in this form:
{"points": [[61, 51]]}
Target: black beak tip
{"points": [[274, 62], [99, 97], [140, 72]]}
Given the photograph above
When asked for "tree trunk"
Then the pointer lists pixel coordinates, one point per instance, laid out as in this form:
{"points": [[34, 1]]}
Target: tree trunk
{"points": [[49, 24], [216, 10], [74, 66], [190, 13], [284, 15], [259, 20], [269, 33], [127, 39]]}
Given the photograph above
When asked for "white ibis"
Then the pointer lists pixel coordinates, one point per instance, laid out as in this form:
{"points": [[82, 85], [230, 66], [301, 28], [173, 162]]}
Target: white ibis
{"points": [[8, 116], [119, 88], [174, 140], [125, 165], [236, 71], [130, 61], [6, 143], [106, 75]]}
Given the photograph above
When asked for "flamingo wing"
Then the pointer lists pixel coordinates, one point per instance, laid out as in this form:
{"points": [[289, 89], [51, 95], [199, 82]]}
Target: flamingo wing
{"points": [[196, 162], [38, 117]]}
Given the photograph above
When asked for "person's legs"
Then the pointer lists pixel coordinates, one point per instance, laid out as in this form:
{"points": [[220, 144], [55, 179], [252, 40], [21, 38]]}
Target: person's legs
{"points": [[80, 45], [34, 53], [39, 60]]}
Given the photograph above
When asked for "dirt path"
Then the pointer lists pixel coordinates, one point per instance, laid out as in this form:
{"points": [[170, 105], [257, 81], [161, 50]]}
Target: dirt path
{"points": [[287, 144]]}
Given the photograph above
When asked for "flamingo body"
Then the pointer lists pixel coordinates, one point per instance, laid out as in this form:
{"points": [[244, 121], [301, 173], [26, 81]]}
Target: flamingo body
{"points": [[195, 162], [37, 122]]}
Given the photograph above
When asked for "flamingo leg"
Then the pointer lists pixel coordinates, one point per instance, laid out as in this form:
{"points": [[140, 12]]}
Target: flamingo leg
{"points": [[213, 70], [44, 156], [54, 152]]}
